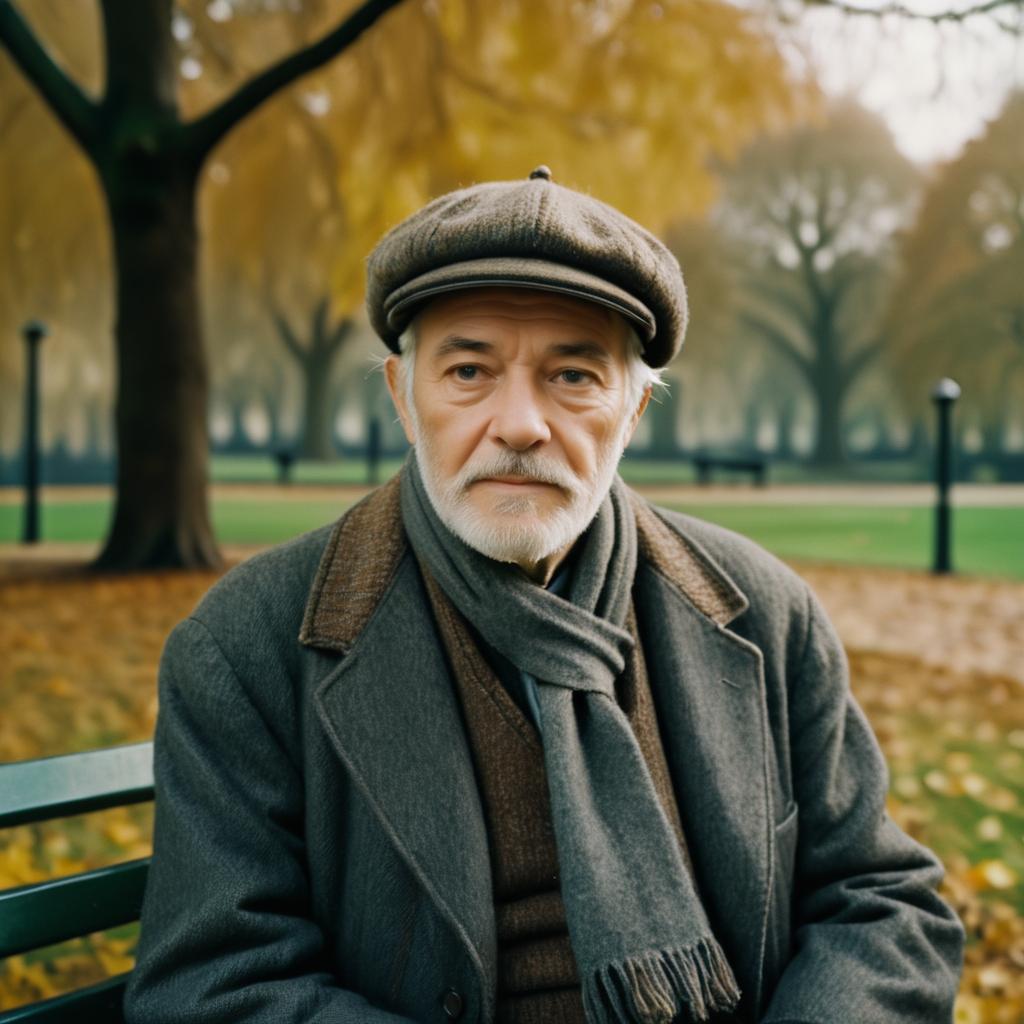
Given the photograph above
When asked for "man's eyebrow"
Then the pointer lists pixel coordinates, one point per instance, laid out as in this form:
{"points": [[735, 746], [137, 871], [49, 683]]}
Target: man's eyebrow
{"points": [[456, 343], [583, 349]]}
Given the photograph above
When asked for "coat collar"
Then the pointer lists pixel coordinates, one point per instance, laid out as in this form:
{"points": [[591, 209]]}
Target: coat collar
{"points": [[368, 543]]}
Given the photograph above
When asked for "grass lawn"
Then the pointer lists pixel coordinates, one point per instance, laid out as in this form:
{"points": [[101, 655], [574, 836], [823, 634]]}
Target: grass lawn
{"points": [[987, 541]]}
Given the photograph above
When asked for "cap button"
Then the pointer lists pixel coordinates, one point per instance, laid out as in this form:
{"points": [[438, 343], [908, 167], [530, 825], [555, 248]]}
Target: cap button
{"points": [[541, 172]]}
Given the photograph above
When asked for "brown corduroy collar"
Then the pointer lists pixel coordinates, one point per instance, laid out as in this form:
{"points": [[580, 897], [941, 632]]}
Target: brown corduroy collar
{"points": [[368, 543]]}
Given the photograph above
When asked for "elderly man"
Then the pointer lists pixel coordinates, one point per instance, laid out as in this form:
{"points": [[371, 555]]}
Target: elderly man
{"points": [[507, 743]]}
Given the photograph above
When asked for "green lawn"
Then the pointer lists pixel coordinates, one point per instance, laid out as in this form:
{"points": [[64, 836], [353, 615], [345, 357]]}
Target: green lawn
{"points": [[988, 541], [235, 521]]}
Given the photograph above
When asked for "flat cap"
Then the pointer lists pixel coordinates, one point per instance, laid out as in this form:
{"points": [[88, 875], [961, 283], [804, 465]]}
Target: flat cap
{"points": [[532, 233]]}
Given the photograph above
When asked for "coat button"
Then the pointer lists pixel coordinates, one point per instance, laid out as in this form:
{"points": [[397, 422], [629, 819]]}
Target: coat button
{"points": [[452, 1003]]}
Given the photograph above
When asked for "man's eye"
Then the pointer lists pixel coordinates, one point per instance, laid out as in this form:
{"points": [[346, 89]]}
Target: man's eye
{"points": [[574, 376], [466, 372]]}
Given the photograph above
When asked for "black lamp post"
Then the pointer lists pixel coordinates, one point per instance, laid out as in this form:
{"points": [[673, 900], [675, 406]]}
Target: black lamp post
{"points": [[34, 332], [944, 394]]}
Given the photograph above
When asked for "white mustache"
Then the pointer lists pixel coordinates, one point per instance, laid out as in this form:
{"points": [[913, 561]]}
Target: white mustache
{"points": [[536, 467]]}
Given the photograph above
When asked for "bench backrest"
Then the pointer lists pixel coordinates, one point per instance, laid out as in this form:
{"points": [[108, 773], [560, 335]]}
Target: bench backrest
{"points": [[38, 915]]}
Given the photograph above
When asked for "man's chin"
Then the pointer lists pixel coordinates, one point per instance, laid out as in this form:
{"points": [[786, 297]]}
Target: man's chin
{"points": [[507, 536], [516, 511]]}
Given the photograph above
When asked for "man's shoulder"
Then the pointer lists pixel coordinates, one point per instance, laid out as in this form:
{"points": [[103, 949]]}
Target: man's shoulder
{"points": [[268, 590], [764, 578]]}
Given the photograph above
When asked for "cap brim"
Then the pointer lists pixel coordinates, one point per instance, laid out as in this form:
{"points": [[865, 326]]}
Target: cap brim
{"points": [[515, 272]]}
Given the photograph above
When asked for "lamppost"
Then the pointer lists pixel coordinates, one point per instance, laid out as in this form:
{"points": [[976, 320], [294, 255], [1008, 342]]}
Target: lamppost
{"points": [[34, 332], [944, 394]]}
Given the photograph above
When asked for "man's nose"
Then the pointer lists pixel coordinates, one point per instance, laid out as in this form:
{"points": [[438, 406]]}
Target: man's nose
{"points": [[517, 415]]}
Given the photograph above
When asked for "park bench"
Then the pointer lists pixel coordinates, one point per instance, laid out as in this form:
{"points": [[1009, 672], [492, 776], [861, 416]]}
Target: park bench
{"points": [[39, 915], [706, 463]]}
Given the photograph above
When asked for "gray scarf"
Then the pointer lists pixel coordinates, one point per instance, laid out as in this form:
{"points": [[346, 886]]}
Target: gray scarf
{"points": [[641, 938]]}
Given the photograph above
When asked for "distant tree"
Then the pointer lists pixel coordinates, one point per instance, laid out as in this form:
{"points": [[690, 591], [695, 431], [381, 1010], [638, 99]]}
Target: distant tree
{"points": [[813, 213], [314, 350], [958, 307]]}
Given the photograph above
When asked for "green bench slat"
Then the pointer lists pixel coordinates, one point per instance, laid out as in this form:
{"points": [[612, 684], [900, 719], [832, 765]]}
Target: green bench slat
{"points": [[42, 914], [54, 787], [33, 916], [101, 1002]]}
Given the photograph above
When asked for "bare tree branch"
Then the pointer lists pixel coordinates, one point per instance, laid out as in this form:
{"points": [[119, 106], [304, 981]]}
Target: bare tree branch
{"points": [[65, 99], [320, 315], [288, 336], [779, 341], [206, 131], [857, 363], [339, 335], [779, 293], [988, 7]]}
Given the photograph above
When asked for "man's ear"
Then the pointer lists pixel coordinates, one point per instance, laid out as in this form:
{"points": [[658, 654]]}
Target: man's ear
{"points": [[393, 371], [644, 399]]}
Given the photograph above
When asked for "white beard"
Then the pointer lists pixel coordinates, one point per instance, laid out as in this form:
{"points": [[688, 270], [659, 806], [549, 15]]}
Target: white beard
{"points": [[518, 529]]}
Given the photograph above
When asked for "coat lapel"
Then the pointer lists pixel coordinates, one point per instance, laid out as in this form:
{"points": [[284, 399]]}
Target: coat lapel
{"points": [[391, 713], [708, 689]]}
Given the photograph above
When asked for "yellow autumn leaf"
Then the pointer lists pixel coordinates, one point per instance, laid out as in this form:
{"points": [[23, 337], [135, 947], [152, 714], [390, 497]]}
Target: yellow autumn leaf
{"points": [[989, 828], [124, 833], [114, 962], [992, 874]]}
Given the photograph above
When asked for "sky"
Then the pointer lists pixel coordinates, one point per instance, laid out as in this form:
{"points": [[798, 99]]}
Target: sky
{"points": [[935, 84]]}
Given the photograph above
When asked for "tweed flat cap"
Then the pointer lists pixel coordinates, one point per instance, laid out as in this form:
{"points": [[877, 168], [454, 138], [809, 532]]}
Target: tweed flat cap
{"points": [[532, 234]]}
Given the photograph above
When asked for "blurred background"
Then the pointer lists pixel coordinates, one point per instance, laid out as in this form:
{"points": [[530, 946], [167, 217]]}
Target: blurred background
{"points": [[188, 191]]}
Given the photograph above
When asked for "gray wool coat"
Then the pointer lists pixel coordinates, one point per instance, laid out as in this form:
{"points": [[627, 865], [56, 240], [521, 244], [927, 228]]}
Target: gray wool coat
{"points": [[320, 853]]}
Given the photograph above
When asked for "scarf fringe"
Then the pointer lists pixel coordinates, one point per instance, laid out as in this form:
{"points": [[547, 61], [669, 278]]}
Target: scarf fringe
{"points": [[654, 988]]}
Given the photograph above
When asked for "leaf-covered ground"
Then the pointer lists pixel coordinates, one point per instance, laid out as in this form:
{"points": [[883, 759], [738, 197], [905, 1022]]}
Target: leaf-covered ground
{"points": [[937, 664]]}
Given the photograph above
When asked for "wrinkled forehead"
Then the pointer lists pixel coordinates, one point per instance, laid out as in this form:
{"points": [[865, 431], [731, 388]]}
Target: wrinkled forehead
{"points": [[496, 314]]}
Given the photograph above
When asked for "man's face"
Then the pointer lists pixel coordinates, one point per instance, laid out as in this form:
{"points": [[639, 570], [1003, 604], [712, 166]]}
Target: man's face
{"points": [[520, 414]]}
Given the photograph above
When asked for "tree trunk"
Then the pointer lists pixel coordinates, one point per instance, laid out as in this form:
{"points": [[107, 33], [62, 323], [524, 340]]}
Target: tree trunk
{"points": [[829, 382], [828, 442], [785, 418], [161, 518], [272, 407], [751, 425], [149, 178], [317, 414]]}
